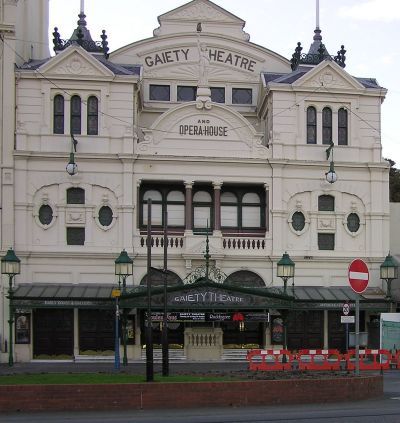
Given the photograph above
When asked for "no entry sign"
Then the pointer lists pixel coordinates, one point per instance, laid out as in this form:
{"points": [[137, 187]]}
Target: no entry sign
{"points": [[358, 276]]}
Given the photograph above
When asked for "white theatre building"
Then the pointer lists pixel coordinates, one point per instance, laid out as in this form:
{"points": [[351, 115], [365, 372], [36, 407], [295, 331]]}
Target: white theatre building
{"points": [[229, 138]]}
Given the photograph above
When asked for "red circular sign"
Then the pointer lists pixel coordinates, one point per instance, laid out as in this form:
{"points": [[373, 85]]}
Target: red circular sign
{"points": [[358, 276]]}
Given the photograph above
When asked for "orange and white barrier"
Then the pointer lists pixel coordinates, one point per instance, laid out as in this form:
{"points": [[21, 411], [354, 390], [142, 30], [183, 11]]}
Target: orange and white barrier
{"points": [[369, 359], [319, 359], [270, 360]]}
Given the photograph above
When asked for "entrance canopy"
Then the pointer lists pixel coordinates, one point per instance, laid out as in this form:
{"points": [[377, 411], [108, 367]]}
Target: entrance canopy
{"points": [[63, 296], [205, 294], [201, 295]]}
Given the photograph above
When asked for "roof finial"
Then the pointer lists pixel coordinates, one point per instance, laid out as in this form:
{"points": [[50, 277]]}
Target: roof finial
{"points": [[82, 15], [317, 14]]}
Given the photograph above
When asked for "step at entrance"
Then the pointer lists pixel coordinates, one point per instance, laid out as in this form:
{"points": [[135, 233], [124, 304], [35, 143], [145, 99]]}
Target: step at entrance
{"points": [[234, 354], [173, 355]]}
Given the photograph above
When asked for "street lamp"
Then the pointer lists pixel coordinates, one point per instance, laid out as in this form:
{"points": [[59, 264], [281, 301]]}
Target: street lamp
{"points": [[330, 176], [11, 266], [285, 270], [123, 269], [72, 167], [389, 271]]}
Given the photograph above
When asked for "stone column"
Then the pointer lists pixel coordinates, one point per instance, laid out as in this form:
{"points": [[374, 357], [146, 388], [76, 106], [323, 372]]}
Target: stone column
{"points": [[188, 208], [326, 330], [217, 207], [76, 332], [266, 186]]}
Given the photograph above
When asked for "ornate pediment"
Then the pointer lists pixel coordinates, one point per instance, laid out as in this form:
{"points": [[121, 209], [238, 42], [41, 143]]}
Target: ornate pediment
{"points": [[75, 62], [215, 132], [213, 19], [329, 75]]}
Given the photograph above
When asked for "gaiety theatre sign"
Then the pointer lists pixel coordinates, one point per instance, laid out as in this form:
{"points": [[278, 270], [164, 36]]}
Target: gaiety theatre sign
{"points": [[179, 55]]}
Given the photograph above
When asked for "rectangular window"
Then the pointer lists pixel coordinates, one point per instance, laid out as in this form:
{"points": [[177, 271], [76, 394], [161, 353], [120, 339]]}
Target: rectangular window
{"points": [[229, 216], [242, 96], [176, 214], [156, 214], [159, 92], [251, 217], [186, 93], [218, 94], [201, 216], [75, 236], [326, 241]]}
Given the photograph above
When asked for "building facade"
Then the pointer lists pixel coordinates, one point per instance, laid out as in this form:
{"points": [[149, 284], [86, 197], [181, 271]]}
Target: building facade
{"points": [[231, 142]]}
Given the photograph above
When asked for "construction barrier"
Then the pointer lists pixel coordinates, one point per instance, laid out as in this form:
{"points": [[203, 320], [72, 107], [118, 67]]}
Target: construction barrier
{"points": [[369, 359], [396, 359], [319, 359], [274, 360], [270, 360]]}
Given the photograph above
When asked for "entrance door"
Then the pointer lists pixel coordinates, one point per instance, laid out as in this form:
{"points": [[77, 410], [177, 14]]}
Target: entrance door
{"points": [[242, 333], [305, 329], [53, 332], [96, 330]]}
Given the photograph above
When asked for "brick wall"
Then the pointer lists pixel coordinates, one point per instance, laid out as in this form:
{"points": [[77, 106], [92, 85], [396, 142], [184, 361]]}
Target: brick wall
{"points": [[180, 395]]}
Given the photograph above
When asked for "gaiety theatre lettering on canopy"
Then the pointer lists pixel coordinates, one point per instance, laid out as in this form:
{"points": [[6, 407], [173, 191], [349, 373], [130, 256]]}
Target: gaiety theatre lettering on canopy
{"points": [[215, 55]]}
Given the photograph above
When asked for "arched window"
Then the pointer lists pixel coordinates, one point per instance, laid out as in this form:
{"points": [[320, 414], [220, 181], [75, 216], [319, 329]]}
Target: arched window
{"points": [[75, 114], [92, 115], [157, 279], [229, 210], [245, 279], [75, 196], [342, 127], [202, 211], [156, 207], [58, 114], [176, 208], [326, 125], [241, 209], [311, 125], [326, 203]]}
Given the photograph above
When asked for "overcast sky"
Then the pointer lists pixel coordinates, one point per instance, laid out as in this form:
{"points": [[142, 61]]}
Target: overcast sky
{"points": [[369, 30]]}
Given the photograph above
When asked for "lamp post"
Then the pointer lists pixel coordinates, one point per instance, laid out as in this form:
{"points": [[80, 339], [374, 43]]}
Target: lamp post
{"points": [[72, 167], [388, 272], [11, 266], [285, 270], [123, 269], [330, 176]]}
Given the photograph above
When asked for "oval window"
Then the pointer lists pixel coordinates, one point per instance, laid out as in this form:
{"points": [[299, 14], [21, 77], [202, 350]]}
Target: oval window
{"points": [[353, 222], [105, 216], [298, 221], [45, 214]]}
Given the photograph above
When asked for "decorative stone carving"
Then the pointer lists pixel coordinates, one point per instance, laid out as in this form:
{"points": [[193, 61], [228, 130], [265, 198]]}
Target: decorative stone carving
{"points": [[75, 216], [74, 66], [326, 223]]}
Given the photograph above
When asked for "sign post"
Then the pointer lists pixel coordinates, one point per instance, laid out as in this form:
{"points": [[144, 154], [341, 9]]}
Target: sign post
{"points": [[358, 278], [346, 311]]}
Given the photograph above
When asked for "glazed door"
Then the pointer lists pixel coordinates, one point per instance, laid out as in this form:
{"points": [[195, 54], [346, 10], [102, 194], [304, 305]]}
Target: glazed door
{"points": [[96, 330], [53, 332]]}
